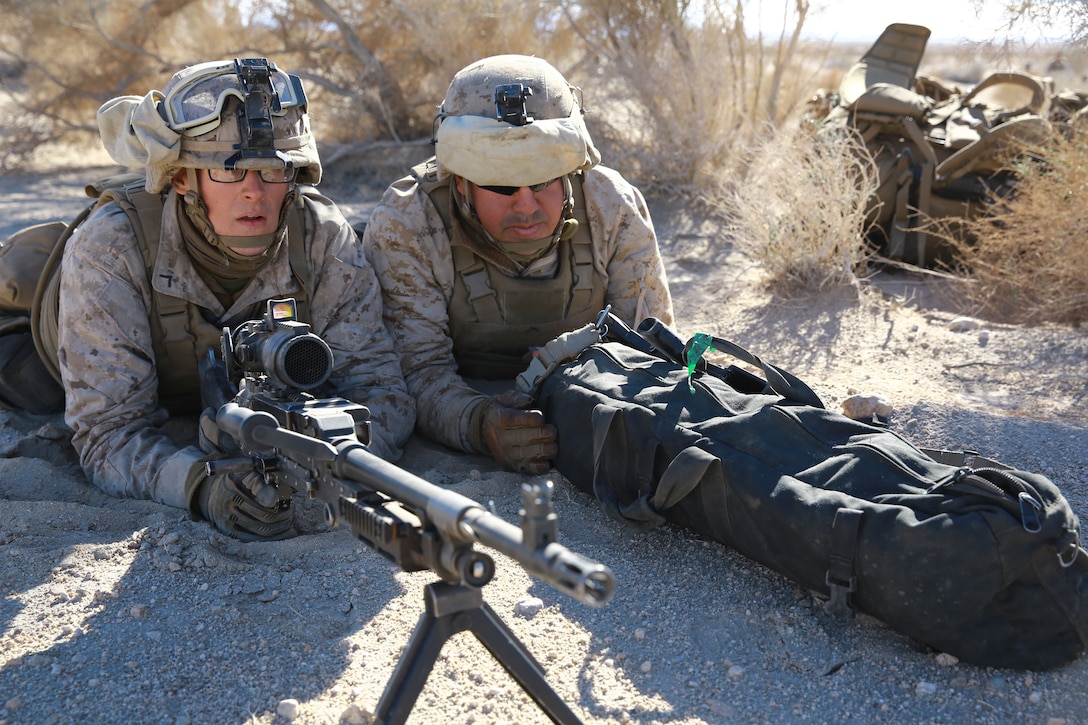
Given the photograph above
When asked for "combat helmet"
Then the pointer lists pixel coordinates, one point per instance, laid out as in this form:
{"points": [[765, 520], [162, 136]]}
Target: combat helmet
{"points": [[228, 114], [512, 120]]}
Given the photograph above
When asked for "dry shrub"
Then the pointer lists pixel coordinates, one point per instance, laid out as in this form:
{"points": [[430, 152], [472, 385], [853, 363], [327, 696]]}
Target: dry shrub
{"points": [[1028, 258], [801, 212], [384, 72], [678, 89], [681, 90], [76, 54], [375, 70]]}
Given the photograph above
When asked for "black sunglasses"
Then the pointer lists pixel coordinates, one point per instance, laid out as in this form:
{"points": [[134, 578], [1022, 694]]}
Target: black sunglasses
{"points": [[511, 190]]}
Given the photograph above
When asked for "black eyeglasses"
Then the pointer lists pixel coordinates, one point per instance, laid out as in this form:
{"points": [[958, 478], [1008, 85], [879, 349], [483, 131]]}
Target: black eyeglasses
{"points": [[283, 175], [511, 190]]}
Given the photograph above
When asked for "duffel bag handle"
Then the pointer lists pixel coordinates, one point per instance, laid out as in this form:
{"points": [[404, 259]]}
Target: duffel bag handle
{"points": [[778, 380]]}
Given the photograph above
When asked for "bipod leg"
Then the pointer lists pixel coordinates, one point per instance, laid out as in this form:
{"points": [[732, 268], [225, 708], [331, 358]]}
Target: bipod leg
{"points": [[453, 608]]}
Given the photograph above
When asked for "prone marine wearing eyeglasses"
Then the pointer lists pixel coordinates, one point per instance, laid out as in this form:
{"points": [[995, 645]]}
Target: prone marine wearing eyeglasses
{"points": [[226, 149], [511, 235]]}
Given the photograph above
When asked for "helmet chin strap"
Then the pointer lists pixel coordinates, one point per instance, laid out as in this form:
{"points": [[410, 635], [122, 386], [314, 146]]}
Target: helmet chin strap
{"points": [[569, 225], [216, 254]]}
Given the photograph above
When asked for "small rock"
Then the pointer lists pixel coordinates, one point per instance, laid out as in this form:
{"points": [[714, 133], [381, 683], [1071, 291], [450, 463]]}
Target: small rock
{"points": [[355, 715], [735, 671], [864, 407], [13, 704], [925, 688], [983, 337], [946, 660], [528, 607], [962, 324], [288, 708], [645, 667], [640, 634]]}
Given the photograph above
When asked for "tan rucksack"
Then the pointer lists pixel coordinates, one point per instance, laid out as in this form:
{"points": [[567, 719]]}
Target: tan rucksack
{"points": [[25, 382], [940, 152]]}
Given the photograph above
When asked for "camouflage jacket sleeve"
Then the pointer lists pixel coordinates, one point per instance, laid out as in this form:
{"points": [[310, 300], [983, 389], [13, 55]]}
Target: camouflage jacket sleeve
{"points": [[111, 387], [347, 314], [408, 246], [625, 248]]}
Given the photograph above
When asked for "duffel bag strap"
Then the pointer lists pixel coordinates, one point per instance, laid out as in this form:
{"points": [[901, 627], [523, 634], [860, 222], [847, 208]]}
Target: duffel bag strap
{"points": [[780, 381], [840, 577], [556, 352]]}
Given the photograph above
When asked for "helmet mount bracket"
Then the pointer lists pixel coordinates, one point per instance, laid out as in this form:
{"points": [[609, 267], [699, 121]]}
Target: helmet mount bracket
{"points": [[255, 117], [510, 103]]}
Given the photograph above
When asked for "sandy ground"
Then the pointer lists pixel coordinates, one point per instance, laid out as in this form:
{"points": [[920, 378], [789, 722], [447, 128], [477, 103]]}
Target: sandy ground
{"points": [[119, 611]]}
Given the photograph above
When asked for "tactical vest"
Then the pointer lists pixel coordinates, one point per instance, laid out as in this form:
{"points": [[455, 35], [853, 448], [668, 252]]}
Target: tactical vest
{"points": [[179, 333], [495, 319]]}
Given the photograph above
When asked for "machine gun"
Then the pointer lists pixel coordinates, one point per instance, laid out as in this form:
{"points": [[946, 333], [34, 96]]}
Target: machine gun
{"points": [[317, 446]]}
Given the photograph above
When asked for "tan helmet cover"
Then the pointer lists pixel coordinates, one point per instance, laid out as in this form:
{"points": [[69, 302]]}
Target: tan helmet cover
{"points": [[136, 135], [473, 143]]}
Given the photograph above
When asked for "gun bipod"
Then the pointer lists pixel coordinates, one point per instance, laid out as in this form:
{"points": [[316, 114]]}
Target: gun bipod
{"points": [[453, 608]]}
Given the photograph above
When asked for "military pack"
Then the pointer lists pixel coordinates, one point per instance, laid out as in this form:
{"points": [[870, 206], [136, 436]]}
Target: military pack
{"points": [[942, 153], [27, 258]]}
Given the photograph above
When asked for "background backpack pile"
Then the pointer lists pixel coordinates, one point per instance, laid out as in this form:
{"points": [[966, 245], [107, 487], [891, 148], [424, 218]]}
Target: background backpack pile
{"points": [[940, 152], [957, 552]]}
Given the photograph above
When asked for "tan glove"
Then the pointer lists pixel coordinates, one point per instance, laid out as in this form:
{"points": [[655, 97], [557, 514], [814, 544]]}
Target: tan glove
{"points": [[516, 436]]}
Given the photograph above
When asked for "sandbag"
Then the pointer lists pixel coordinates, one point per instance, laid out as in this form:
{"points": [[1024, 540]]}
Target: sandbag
{"points": [[965, 556]]}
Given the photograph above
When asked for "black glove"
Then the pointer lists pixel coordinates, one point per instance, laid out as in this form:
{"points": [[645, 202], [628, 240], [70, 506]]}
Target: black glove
{"points": [[240, 504], [517, 437]]}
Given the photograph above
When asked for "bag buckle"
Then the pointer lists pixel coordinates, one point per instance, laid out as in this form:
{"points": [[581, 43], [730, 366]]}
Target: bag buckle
{"points": [[839, 604], [1030, 508]]}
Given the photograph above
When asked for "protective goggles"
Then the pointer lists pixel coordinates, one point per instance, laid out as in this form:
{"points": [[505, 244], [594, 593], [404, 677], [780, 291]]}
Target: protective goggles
{"points": [[511, 190], [195, 103]]}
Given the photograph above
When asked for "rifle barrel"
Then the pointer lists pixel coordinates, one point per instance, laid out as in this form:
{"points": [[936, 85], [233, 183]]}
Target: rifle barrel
{"points": [[458, 519]]}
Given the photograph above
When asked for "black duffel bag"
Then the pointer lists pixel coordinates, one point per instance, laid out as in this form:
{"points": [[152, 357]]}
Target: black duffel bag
{"points": [[962, 554]]}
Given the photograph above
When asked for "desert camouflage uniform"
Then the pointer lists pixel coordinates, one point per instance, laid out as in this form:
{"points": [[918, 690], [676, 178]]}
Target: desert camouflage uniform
{"points": [[108, 366], [408, 245]]}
